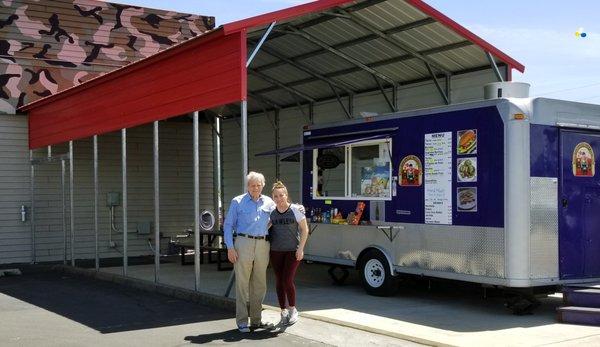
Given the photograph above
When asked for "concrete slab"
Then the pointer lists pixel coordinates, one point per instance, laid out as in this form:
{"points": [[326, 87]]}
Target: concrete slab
{"points": [[443, 315]]}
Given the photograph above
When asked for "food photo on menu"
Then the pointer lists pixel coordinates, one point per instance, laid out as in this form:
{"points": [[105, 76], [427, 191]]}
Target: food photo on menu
{"points": [[467, 142], [467, 170], [466, 199]]}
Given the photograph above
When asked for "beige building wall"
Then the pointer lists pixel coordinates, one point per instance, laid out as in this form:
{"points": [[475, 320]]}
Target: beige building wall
{"points": [[176, 190]]}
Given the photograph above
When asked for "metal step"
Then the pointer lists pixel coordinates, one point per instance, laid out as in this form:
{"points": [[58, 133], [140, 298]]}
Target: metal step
{"points": [[579, 315], [582, 297]]}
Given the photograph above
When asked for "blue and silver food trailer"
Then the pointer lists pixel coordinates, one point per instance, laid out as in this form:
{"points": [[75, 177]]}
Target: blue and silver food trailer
{"points": [[502, 192]]}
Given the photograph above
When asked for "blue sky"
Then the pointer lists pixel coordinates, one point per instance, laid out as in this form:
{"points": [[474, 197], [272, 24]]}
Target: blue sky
{"points": [[542, 37]]}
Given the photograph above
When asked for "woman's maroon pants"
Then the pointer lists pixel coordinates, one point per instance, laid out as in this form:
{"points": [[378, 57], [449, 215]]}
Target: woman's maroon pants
{"points": [[285, 265]]}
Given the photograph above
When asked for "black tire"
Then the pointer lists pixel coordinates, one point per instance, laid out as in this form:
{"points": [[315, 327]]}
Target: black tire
{"points": [[375, 274]]}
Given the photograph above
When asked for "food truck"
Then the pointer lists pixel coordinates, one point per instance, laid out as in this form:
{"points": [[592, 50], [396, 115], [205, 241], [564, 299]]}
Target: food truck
{"points": [[502, 192]]}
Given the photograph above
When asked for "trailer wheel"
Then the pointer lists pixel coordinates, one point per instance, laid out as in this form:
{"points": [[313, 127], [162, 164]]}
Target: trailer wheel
{"points": [[375, 274]]}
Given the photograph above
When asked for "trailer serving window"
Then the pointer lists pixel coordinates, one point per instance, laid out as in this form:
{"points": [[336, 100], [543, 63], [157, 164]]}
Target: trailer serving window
{"points": [[360, 170]]}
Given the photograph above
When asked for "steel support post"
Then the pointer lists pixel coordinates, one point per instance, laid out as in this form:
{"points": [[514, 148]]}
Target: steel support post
{"points": [[244, 142], [72, 201], [494, 66], [260, 43], [395, 97], [124, 183], [277, 139], [64, 209], [96, 252], [156, 205], [217, 170], [449, 88], [32, 218], [196, 204]]}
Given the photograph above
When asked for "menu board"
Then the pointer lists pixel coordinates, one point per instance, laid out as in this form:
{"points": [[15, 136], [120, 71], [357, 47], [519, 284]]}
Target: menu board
{"points": [[438, 178]]}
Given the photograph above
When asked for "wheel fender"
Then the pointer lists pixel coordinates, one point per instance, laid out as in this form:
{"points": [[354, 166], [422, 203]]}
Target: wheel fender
{"points": [[380, 249]]}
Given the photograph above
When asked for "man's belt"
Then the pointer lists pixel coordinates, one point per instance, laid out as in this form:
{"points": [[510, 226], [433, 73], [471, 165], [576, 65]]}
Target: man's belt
{"points": [[251, 236]]}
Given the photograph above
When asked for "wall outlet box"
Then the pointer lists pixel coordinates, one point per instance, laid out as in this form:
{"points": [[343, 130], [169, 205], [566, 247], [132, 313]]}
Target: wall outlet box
{"points": [[113, 199]]}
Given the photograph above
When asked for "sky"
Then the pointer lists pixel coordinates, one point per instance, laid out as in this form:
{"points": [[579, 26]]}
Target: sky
{"points": [[540, 35]]}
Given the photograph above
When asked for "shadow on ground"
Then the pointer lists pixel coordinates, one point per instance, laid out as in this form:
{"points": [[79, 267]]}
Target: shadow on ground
{"points": [[104, 306], [442, 304], [233, 336]]}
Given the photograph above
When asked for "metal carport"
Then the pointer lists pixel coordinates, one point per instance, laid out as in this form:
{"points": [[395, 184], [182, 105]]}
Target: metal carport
{"points": [[323, 50]]}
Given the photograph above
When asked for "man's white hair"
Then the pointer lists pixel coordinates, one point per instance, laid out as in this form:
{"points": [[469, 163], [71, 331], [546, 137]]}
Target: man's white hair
{"points": [[255, 177]]}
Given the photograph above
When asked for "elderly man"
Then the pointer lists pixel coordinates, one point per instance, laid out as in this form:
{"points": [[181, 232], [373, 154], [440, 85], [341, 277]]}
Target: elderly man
{"points": [[248, 216]]}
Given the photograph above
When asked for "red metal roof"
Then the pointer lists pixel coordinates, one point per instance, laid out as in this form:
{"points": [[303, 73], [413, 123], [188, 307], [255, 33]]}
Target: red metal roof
{"points": [[201, 73], [205, 73]]}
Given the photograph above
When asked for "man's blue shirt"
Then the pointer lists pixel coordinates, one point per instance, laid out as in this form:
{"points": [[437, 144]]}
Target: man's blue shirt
{"points": [[247, 216]]}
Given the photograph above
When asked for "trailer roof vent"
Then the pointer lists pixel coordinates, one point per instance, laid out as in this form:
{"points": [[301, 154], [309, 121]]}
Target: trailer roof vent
{"points": [[498, 90]]}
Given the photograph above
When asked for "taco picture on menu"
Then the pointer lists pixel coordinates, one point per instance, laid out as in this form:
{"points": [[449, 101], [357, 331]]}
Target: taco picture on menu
{"points": [[467, 142]]}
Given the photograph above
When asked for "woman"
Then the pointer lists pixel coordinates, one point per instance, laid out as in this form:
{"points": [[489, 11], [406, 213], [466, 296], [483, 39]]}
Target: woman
{"points": [[288, 234]]}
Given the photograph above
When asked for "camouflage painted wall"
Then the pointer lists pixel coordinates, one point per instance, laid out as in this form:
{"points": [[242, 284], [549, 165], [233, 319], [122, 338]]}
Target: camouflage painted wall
{"points": [[50, 45]]}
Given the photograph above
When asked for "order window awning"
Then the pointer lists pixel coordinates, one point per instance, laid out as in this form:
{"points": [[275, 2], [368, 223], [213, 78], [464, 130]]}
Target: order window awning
{"points": [[336, 141]]}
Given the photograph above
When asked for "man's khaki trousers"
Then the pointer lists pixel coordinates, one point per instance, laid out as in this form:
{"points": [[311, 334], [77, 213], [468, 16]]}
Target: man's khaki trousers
{"points": [[250, 279]]}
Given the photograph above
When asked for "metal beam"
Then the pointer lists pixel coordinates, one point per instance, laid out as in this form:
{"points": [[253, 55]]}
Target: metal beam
{"points": [[64, 209], [260, 43], [395, 97], [196, 203], [350, 43], [385, 96], [340, 54], [437, 84], [155, 154], [372, 90], [449, 88], [302, 67], [322, 19], [339, 99], [244, 141], [32, 212], [124, 187], [277, 133], [392, 40], [494, 66], [95, 154], [71, 201], [280, 85], [376, 64]]}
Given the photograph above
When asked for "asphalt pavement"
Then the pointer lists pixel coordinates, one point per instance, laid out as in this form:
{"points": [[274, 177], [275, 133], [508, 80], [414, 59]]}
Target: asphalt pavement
{"points": [[54, 309]]}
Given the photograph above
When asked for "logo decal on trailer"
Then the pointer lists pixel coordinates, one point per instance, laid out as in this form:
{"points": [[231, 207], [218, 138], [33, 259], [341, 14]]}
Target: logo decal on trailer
{"points": [[411, 171], [583, 160]]}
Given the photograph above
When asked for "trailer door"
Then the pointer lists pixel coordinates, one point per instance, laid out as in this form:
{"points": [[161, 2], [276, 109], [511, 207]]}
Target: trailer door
{"points": [[579, 205]]}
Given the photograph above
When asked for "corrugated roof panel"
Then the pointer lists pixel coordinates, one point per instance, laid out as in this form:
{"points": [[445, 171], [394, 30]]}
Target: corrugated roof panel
{"points": [[336, 30], [291, 45], [256, 83], [286, 73], [404, 71], [327, 63], [389, 14], [361, 80], [317, 89]]}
